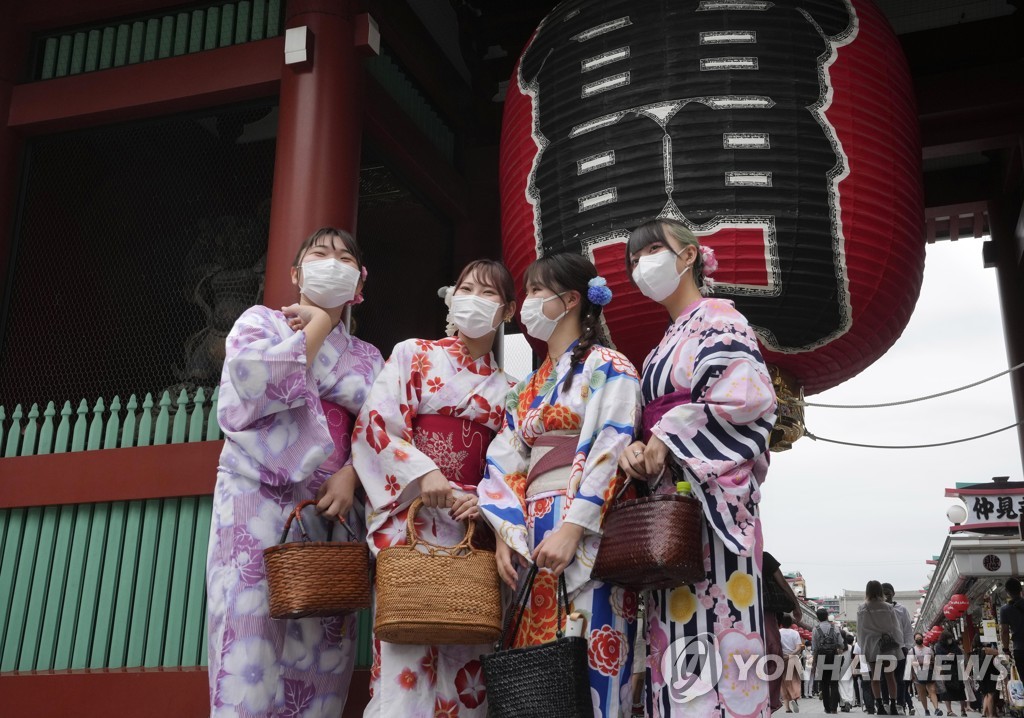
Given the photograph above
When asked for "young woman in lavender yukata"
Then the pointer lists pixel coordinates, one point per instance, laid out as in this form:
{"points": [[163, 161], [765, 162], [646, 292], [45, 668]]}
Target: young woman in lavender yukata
{"points": [[551, 472], [423, 432], [709, 406], [292, 382]]}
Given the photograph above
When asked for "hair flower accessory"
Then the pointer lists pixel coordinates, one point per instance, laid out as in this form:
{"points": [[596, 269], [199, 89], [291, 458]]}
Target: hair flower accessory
{"points": [[710, 261], [446, 294], [358, 299], [708, 267], [598, 292]]}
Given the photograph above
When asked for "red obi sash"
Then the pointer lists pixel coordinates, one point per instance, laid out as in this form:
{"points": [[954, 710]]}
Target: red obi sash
{"points": [[457, 446], [659, 407], [339, 424]]}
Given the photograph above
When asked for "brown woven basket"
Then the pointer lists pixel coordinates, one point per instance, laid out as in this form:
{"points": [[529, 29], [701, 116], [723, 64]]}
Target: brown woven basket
{"points": [[450, 594], [316, 578], [652, 542]]}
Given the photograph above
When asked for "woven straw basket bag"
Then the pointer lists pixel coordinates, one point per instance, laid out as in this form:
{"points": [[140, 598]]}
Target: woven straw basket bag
{"points": [[445, 595], [317, 578], [652, 542]]}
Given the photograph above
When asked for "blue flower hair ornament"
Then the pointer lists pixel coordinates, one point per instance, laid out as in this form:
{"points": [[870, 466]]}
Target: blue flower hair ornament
{"points": [[598, 292]]}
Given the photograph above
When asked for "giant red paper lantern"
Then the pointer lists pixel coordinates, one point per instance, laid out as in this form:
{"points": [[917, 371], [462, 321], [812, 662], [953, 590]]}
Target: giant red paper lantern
{"points": [[783, 133]]}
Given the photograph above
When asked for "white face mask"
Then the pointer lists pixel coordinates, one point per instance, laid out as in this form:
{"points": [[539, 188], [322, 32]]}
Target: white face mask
{"points": [[537, 324], [473, 315], [329, 283], [656, 276]]}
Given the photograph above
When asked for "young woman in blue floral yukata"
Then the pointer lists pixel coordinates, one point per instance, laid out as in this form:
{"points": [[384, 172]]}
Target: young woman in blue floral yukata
{"points": [[551, 471], [292, 382], [710, 407], [423, 433]]}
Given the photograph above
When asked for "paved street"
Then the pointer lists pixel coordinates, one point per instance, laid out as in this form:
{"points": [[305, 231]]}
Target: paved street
{"points": [[813, 707]]}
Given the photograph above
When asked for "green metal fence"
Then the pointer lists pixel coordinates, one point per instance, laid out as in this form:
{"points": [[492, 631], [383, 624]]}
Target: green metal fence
{"points": [[155, 37], [187, 31], [113, 584], [105, 585], [107, 426], [109, 585]]}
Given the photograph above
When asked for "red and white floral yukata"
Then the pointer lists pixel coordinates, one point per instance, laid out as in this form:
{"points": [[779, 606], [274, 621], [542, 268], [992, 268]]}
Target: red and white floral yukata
{"points": [[396, 441]]}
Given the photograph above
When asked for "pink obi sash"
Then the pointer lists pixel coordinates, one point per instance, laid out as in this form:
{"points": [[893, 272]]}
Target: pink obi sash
{"points": [[457, 446], [339, 424], [551, 460], [661, 406]]}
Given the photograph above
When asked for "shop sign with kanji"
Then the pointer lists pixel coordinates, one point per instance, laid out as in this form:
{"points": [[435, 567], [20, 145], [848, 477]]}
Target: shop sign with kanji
{"points": [[990, 507]]}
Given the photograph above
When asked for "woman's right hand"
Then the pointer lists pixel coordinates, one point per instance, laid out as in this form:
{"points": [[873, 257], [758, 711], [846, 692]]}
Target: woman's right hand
{"points": [[508, 564], [300, 315], [435, 491], [631, 461]]}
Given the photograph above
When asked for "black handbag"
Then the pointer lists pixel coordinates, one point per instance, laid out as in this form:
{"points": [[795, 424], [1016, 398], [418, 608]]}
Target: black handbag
{"points": [[887, 644], [546, 681]]}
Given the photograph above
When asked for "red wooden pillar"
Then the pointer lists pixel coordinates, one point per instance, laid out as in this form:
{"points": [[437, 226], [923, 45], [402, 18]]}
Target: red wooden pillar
{"points": [[1009, 250], [319, 132]]}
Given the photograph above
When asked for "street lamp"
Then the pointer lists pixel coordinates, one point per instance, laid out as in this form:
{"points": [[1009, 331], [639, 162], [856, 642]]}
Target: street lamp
{"points": [[957, 514]]}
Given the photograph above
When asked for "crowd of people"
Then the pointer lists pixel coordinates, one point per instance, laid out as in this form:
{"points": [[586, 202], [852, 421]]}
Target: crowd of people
{"points": [[312, 413], [883, 666]]}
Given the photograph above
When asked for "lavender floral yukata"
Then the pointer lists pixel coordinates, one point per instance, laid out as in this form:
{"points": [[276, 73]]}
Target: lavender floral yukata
{"points": [[718, 429], [278, 450]]}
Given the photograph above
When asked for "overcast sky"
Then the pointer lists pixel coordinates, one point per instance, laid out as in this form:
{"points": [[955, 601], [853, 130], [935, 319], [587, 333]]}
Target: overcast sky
{"points": [[843, 516]]}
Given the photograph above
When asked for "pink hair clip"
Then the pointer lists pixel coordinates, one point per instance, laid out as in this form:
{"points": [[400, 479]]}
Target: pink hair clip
{"points": [[710, 262]]}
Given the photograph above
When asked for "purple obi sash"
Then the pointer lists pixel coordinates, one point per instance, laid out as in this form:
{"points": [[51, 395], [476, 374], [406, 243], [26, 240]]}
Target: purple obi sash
{"points": [[457, 446], [339, 424], [551, 461], [661, 406]]}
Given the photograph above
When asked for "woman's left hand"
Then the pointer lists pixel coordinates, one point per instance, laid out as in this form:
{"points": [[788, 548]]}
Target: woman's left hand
{"points": [[557, 550], [465, 507], [655, 455]]}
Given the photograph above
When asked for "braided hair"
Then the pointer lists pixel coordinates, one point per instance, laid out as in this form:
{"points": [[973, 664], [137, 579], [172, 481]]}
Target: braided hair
{"points": [[571, 273]]}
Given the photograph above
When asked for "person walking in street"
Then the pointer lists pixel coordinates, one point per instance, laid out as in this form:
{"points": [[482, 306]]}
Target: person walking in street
{"points": [[847, 696], [950, 670], [1011, 622], [904, 699], [861, 666], [792, 647], [807, 658], [922, 666], [879, 632], [778, 601], [827, 647], [988, 677]]}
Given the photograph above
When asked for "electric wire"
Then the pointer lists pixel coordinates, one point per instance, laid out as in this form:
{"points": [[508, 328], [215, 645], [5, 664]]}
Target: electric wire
{"points": [[816, 405], [814, 437]]}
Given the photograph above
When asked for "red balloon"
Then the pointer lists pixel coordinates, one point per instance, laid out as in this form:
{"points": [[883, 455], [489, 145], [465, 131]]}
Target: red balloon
{"points": [[814, 208]]}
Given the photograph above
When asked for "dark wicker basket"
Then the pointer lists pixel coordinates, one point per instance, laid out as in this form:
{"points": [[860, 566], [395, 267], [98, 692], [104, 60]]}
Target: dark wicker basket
{"points": [[446, 595], [551, 680], [316, 578], [652, 542]]}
